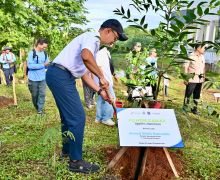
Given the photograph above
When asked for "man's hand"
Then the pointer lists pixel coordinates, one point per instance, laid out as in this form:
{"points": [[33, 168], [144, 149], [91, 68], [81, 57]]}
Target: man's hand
{"points": [[104, 83], [105, 96]]}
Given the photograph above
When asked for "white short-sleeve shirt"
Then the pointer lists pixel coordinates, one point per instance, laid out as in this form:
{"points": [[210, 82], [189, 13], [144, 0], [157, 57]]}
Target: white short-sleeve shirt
{"points": [[102, 59], [70, 56]]}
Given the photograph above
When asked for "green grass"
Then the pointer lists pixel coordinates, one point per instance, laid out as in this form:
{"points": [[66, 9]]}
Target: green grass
{"points": [[30, 144]]}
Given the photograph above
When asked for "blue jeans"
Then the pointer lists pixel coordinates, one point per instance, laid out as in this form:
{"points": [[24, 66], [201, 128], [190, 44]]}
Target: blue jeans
{"points": [[38, 93], [104, 110], [63, 87]]}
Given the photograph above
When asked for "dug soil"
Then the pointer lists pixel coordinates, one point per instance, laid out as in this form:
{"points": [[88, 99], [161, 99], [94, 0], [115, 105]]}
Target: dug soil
{"points": [[157, 166], [5, 101]]}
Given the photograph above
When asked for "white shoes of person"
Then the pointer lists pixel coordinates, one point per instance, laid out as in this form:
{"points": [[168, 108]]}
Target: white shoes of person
{"points": [[107, 122], [89, 106]]}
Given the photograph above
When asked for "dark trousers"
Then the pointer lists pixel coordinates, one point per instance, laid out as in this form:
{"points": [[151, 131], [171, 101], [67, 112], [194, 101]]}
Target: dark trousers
{"points": [[165, 90], [38, 93], [63, 87], [154, 89], [195, 89], [8, 75]]}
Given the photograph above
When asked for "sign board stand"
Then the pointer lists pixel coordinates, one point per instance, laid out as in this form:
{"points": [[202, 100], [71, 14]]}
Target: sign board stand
{"points": [[143, 159], [144, 126]]}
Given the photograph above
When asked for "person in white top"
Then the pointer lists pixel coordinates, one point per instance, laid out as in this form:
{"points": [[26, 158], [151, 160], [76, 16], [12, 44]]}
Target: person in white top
{"points": [[75, 61], [196, 67], [104, 111]]}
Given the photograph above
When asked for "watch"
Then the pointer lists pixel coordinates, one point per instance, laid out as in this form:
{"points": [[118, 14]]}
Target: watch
{"points": [[99, 91]]}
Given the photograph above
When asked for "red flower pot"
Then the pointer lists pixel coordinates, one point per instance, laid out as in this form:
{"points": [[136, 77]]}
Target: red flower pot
{"points": [[155, 105]]}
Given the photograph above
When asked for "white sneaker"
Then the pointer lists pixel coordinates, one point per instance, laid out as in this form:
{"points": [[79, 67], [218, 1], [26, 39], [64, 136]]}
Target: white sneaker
{"points": [[89, 106], [94, 103], [97, 121], [108, 122]]}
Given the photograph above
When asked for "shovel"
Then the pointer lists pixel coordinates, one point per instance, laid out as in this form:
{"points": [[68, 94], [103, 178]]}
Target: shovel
{"points": [[113, 104]]}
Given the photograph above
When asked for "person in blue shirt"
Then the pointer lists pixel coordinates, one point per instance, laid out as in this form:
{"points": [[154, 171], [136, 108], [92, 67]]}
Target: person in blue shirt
{"points": [[36, 63], [7, 59], [151, 61]]}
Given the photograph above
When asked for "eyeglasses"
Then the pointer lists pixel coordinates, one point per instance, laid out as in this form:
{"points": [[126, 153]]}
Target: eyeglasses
{"points": [[116, 35]]}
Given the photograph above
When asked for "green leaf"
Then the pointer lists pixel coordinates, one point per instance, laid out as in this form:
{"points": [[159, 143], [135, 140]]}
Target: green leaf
{"points": [[201, 3], [183, 34], [157, 2], [142, 20], [206, 11], [122, 10], [146, 7], [183, 49], [128, 13], [175, 28], [153, 32], [199, 11], [145, 26], [191, 27], [168, 1], [190, 4], [179, 23], [171, 33]]}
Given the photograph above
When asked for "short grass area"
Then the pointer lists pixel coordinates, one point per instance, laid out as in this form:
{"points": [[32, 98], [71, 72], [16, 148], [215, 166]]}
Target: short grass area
{"points": [[30, 144]]}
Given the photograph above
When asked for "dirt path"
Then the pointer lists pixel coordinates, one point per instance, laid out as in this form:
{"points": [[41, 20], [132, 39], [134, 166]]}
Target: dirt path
{"points": [[5, 101]]}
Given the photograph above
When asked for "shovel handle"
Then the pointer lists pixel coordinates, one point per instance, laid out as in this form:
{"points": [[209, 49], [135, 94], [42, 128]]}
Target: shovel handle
{"points": [[113, 104]]}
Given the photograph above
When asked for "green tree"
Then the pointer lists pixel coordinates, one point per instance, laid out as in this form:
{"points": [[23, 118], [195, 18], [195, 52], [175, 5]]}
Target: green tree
{"points": [[171, 35], [23, 21]]}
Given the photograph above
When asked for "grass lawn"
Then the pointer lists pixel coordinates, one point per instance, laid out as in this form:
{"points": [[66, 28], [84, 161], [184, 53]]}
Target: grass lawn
{"points": [[30, 144]]}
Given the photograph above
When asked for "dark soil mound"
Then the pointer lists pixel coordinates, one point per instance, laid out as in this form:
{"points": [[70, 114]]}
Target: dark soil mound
{"points": [[5, 101], [157, 166]]}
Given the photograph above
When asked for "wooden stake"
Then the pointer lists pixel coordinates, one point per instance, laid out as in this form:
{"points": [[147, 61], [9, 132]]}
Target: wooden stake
{"points": [[117, 158], [14, 93], [143, 165], [2, 76], [171, 162]]}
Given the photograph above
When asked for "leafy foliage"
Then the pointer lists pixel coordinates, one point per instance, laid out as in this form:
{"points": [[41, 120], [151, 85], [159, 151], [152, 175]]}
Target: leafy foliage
{"points": [[171, 35], [23, 21]]}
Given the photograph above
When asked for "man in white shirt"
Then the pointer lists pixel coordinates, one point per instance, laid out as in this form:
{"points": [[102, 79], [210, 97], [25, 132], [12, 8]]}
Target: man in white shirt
{"points": [[104, 111], [74, 61]]}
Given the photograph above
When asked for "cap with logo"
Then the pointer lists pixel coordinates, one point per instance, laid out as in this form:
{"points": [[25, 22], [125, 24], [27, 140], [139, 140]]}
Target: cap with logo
{"points": [[115, 25]]}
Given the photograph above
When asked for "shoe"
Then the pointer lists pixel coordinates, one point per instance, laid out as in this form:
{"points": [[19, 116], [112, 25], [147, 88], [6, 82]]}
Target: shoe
{"points": [[82, 166], [97, 121], [89, 106], [108, 122], [40, 113], [194, 111], [94, 103]]}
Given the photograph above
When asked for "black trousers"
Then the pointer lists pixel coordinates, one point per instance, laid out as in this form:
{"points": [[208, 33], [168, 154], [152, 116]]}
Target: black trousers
{"points": [[195, 89]]}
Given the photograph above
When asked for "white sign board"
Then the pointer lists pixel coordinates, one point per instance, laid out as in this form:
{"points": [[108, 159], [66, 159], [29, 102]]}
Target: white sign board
{"points": [[148, 128]]}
